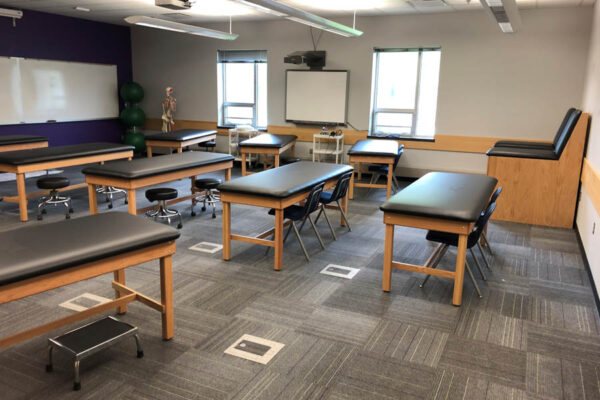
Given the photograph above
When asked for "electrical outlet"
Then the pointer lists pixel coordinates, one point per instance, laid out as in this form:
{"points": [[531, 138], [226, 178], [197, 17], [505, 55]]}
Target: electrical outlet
{"points": [[593, 228], [310, 151]]}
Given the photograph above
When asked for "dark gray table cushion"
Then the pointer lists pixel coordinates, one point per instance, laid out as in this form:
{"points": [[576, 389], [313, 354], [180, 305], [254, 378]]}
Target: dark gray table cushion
{"points": [[144, 167], [375, 147], [523, 152], [43, 248], [181, 135], [285, 181], [21, 139], [444, 195], [269, 140], [524, 144], [45, 154]]}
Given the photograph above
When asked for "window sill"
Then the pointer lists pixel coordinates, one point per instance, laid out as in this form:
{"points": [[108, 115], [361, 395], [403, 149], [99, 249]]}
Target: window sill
{"points": [[404, 138], [233, 127]]}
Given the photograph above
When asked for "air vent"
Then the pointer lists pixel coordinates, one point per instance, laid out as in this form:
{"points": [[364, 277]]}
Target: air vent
{"points": [[176, 16], [504, 12]]}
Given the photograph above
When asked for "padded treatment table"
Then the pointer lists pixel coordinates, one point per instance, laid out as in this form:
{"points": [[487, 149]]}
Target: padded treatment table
{"points": [[143, 172], [441, 201], [22, 142], [276, 188], [179, 139], [373, 151], [267, 143], [42, 257], [20, 162]]}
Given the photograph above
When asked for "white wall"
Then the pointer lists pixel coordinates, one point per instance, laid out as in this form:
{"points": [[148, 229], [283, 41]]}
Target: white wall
{"points": [[491, 84], [588, 218]]}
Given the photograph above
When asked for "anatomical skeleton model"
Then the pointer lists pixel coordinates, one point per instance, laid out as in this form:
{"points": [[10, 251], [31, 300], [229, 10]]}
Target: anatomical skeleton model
{"points": [[169, 105]]}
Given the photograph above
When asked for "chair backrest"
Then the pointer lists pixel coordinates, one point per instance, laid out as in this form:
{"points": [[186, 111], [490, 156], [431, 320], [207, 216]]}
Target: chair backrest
{"points": [[480, 225], [563, 135], [570, 111], [341, 187], [397, 158], [495, 195], [313, 199]]}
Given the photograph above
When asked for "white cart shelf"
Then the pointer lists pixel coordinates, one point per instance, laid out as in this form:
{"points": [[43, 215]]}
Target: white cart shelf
{"points": [[320, 139]]}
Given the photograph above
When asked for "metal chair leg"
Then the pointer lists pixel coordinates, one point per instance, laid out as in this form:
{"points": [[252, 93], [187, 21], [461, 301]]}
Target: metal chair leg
{"points": [[468, 268], [138, 345], [395, 182], [50, 365], [67, 215], [435, 264], [487, 242], [344, 215], [374, 179], [478, 265], [300, 240], [316, 231], [487, 264], [326, 219]]}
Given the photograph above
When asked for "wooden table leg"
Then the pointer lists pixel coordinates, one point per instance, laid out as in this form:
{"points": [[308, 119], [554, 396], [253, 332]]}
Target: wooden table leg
{"points": [[389, 180], [93, 200], [278, 239], [132, 202], [276, 160], [120, 278], [166, 295], [461, 254], [227, 174], [243, 164], [149, 151], [22, 195], [226, 230], [293, 150], [358, 170], [345, 208], [352, 183], [180, 149], [388, 254]]}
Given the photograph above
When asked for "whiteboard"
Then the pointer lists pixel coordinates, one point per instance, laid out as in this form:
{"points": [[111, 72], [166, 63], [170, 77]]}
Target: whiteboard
{"points": [[45, 90], [316, 96]]}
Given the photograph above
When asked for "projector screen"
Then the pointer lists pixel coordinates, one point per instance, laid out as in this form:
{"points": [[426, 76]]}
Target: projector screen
{"points": [[317, 97]]}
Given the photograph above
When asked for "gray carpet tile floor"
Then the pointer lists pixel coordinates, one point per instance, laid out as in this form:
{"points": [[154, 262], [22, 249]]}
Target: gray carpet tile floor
{"points": [[534, 334]]}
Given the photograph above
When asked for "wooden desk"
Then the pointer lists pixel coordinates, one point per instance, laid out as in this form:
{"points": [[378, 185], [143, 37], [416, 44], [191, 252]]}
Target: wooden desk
{"points": [[276, 188], [434, 203], [373, 151], [267, 144]]}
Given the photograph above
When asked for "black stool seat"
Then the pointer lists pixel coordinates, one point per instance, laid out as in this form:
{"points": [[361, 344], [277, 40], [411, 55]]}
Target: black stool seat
{"points": [[52, 182], [289, 160], [207, 183], [159, 194]]}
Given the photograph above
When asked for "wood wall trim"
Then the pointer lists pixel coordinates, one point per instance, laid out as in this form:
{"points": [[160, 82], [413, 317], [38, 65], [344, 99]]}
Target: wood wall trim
{"points": [[453, 143], [590, 180]]}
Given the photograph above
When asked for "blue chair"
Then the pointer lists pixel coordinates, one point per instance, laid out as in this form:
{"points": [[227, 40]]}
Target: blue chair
{"points": [[338, 193], [295, 213], [451, 239], [485, 239], [380, 170]]}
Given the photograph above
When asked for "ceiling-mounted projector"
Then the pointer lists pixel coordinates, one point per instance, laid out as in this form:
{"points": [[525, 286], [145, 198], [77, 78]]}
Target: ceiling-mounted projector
{"points": [[174, 4], [314, 59]]}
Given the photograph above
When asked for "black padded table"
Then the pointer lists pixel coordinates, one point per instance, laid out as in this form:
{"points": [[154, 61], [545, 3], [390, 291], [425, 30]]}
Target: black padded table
{"points": [[38, 258], [22, 142], [276, 188], [373, 151], [179, 139], [143, 172], [267, 144], [440, 201], [41, 159]]}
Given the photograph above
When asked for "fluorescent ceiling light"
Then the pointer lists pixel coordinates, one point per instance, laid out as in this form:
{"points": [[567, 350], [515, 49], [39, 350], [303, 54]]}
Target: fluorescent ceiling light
{"points": [[179, 27], [297, 15], [506, 27], [337, 5], [82, 9], [263, 9]]}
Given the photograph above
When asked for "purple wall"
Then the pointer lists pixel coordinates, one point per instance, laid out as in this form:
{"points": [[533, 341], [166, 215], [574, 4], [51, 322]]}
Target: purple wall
{"points": [[54, 37]]}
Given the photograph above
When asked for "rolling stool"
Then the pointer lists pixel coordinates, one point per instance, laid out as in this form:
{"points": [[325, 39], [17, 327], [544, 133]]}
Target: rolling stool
{"points": [[206, 186], [109, 192], [53, 183], [209, 146], [162, 195]]}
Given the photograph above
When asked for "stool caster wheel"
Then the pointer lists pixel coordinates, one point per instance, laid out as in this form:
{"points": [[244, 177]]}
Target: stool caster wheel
{"points": [[140, 354], [193, 214], [44, 211], [110, 206], [67, 216], [71, 211], [39, 218], [214, 216], [203, 208], [49, 368], [77, 386], [179, 226], [126, 201]]}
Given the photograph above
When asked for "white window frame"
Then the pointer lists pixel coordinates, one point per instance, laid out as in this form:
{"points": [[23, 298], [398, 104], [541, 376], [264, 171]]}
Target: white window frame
{"points": [[226, 104], [413, 111]]}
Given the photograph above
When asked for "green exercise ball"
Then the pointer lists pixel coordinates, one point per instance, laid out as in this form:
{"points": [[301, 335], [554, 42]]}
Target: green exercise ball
{"points": [[132, 92], [137, 140], [133, 116]]}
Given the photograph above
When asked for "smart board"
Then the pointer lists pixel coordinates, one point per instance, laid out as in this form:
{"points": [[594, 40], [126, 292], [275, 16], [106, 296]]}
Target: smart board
{"points": [[56, 91], [318, 97]]}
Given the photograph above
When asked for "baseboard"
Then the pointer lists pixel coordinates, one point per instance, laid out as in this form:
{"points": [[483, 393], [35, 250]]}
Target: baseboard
{"points": [[588, 268]]}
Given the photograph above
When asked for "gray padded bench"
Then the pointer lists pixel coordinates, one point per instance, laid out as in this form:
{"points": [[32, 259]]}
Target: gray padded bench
{"points": [[267, 144], [179, 139], [374, 151], [276, 188], [144, 172], [39, 258], [22, 142], [41, 159], [440, 201]]}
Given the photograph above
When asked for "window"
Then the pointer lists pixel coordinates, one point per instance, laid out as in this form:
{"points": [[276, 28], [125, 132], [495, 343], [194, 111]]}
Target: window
{"points": [[242, 87], [404, 92]]}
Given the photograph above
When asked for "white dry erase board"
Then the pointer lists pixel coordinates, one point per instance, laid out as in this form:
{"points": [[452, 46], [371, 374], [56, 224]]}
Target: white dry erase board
{"points": [[316, 96], [45, 90]]}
